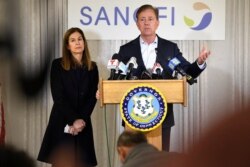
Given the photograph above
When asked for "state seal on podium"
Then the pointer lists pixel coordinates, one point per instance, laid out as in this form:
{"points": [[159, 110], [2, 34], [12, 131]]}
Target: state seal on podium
{"points": [[143, 108]]}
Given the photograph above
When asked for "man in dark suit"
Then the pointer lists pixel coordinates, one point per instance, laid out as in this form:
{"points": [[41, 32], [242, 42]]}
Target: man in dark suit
{"points": [[148, 49]]}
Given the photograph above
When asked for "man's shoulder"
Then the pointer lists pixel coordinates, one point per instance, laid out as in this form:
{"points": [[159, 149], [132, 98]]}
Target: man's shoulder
{"points": [[131, 43], [165, 41]]}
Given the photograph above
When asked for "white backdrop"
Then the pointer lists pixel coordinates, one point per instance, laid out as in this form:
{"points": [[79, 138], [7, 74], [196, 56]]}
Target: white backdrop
{"points": [[225, 82], [204, 20]]}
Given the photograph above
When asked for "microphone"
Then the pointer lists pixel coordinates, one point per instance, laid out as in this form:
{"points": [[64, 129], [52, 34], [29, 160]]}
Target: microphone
{"points": [[117, 73], [168, 74], [157, 71], [174, 65], [112, 66], [130, 66], [122, 71], [146, 75]]}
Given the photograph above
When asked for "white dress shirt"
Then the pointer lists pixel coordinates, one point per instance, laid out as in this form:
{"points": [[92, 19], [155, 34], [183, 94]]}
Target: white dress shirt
{"points": [[149, 53]]}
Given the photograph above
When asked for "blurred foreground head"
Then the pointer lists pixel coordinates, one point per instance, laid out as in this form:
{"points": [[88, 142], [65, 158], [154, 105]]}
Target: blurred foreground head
{"points": [[67, 156], [12, 157], [224, 145], [30, 78]]}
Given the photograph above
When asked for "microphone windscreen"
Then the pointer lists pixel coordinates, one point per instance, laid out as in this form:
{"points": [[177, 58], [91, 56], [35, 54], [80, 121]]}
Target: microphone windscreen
{"points": [[173, 63], [115, 56], [123, 68], [156, 68], [132, 60], [146, 75], [112, 64]]}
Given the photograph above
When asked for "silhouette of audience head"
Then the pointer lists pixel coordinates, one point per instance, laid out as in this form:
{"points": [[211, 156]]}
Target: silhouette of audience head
{"points": [[225, 144], [13, 157], [134, 151], [127, 141]]}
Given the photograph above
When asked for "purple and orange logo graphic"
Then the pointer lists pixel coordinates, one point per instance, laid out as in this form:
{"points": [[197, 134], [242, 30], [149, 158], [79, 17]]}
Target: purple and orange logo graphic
{"points": [[205, 21]]}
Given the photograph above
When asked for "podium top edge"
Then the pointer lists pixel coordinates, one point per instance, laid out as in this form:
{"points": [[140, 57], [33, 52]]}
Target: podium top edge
{"points": [[144, 81]]}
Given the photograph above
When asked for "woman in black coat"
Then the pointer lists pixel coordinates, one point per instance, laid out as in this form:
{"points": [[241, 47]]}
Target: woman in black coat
{"points": [[74, 82]]}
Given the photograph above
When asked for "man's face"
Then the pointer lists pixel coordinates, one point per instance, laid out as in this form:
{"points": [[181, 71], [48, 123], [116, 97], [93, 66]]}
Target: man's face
{"points": [[147, 23]]}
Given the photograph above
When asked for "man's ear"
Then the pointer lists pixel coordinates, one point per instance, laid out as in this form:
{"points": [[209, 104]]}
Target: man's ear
{"points": [[122, 151]]}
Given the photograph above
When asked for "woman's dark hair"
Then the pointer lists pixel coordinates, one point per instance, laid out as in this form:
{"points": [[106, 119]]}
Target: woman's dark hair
{"points": [[68, 61]]}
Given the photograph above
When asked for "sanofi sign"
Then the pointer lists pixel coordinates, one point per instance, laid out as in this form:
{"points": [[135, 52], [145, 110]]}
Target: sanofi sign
{"points": [[179, 19]]}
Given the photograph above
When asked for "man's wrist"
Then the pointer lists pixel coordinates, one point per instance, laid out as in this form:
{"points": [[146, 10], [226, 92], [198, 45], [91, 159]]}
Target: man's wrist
{"points": [[202, 65]]}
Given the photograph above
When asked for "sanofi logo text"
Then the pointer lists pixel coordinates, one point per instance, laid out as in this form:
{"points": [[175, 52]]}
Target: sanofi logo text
{"points": [[119, 15], [206, 18]]}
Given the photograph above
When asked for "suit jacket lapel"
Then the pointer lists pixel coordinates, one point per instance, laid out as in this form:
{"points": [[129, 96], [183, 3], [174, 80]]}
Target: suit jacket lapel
{"points": [[160, 52], [138, 55]]}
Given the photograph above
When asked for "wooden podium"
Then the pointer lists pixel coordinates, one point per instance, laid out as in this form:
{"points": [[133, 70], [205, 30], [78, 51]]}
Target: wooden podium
{"points": [[174, 91]]}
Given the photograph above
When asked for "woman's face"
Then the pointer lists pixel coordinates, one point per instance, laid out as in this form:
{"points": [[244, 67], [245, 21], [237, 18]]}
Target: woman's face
{"points": [[76, 43]]}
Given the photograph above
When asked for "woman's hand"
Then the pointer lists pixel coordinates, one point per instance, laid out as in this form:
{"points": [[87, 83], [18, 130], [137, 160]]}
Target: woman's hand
{"points": [[77, 127], [97, 95]]}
